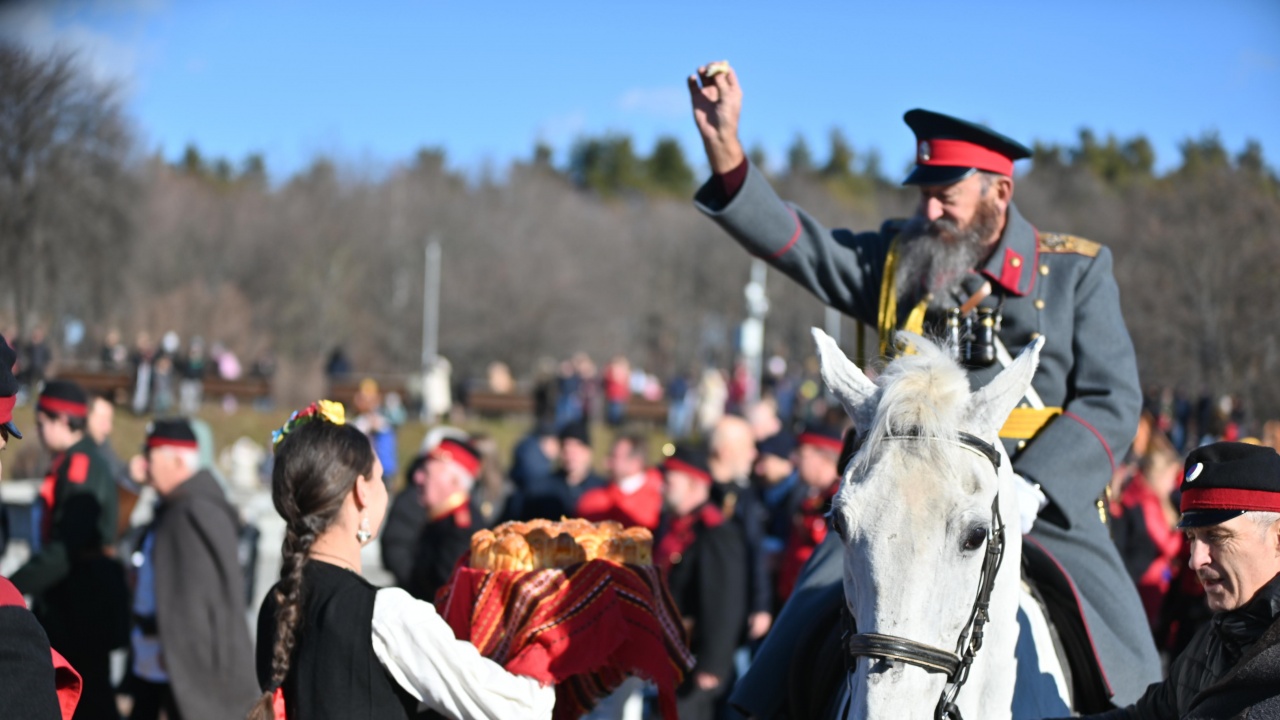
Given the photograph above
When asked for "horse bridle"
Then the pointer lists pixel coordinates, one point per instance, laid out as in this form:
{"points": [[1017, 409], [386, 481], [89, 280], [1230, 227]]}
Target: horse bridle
{"points": [[955, 665]]}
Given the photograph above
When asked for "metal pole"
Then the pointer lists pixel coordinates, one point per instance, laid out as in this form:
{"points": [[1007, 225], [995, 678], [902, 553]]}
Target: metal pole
{"points": [[431, 304], [752, 338]]}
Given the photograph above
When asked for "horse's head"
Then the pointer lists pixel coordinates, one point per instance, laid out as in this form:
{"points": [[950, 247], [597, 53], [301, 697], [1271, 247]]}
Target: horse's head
{"points": [[915, 510]]}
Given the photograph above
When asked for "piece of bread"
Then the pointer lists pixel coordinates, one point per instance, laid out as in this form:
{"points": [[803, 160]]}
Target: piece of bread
{"points": [[542, 548], [566, 552], [717, 68], [482, 550], [643, 540], [590, 544], [511, 552]]}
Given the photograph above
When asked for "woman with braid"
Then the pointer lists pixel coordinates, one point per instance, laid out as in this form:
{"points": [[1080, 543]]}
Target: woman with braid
{"points": [[330, 644]]}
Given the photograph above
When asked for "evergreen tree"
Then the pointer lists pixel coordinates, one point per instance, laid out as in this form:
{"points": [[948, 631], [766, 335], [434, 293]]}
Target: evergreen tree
{"points": [[667, 169], [799, 159]]}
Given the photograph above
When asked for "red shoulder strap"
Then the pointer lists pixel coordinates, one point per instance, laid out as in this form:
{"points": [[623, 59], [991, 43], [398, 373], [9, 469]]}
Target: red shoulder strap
{"points": [[78, 468]]}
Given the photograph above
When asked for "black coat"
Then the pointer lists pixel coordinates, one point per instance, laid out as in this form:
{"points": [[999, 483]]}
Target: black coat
{"points": [[399, 536], [200, 606], [1231, 669], [709, 587], [440, 544]]}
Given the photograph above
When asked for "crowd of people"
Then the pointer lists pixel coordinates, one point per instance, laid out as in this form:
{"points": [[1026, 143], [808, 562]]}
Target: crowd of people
{"points": [[738, 517]]}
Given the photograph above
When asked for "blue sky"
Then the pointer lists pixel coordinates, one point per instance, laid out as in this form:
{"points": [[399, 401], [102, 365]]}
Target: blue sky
{"points": [[372, 82]]}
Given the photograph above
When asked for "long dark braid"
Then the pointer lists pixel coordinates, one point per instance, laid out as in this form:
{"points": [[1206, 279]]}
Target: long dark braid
{"points": [[316, 466]]}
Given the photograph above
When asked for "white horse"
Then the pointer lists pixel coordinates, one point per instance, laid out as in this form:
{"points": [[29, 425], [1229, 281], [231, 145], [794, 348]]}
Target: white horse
{"points": [[928, 516]]}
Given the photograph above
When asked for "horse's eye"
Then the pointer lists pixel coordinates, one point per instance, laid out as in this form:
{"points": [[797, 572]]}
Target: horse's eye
{"points": [[975, 539], [835, 521]]}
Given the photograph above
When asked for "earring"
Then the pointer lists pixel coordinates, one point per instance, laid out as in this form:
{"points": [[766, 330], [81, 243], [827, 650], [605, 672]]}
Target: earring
{"points": [[363, 534]]}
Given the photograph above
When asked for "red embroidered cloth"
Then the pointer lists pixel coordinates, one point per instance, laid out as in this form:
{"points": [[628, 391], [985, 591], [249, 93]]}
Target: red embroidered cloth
{"points": [[585, 628]]}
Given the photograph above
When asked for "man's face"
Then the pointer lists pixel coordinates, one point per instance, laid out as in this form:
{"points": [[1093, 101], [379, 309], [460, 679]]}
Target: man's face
{"points": [[953, 230], [100, 421], [622, 461], [773, 469], [817, 467], [438, 483], [1234, 559], [682, 493], [955, 204], [576, 456], [54, 431]]}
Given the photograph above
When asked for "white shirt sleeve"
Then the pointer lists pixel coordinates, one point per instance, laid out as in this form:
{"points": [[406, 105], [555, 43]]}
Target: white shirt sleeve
{"points": [[419, 650]]}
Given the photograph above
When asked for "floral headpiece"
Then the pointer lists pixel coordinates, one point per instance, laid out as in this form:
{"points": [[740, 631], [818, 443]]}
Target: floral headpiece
{"points": [[326, 410]]}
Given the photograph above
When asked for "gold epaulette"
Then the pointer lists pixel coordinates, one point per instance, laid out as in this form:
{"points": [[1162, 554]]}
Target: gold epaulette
{"points": [[1060, 243], [1024, 422]]}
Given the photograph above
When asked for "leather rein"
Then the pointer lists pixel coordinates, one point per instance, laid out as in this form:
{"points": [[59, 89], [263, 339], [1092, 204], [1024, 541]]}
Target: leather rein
{"points": [[955, 665]]}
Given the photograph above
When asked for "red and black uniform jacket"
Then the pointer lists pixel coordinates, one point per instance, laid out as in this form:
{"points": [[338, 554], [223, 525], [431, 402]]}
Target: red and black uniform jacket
{"points": [[807, 532], [705, 560]]}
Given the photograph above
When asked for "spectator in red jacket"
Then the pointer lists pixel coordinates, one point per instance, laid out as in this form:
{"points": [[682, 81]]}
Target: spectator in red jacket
{"points": [[634, 493]]}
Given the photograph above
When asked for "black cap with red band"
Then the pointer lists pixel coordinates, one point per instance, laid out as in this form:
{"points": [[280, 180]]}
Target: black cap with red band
{"points": [[1227, 479], [826, 437], [461, 452], [691, 461], [175, 432], [949, 149], [8, 388], [63, 397]]}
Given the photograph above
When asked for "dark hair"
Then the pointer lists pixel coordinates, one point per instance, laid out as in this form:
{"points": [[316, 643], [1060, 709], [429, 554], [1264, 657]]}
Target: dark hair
{"points": [[316, 466], [638, 441]]}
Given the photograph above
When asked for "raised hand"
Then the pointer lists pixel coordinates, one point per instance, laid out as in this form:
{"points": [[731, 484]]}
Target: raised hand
{"points": [[717, 104]]}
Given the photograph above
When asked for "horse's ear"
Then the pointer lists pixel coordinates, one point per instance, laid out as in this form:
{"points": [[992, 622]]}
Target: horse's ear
{"points": [[842, 377], [991, 405]]}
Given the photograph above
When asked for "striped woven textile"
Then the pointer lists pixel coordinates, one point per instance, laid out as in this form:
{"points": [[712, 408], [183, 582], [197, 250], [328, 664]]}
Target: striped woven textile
{"points": [[585, 628]]}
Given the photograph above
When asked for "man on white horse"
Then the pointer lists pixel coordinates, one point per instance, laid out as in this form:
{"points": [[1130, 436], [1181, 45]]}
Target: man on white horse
{"points": [[967, 265], [1231, 514]]}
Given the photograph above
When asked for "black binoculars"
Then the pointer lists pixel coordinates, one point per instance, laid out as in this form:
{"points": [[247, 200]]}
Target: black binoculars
{"points": [[972, 336]]}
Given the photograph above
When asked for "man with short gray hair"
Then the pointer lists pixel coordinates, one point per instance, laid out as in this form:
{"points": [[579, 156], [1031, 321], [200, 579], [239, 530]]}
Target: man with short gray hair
{"points": [[192, 656], [1231, 515]]}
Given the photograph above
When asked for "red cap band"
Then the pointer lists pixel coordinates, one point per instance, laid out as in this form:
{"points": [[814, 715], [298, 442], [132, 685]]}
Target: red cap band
{"points": [[6, 408], [1230, 499], [451, 450], [671, 464], [58, 406], [959, 153], [822, 441], [155, 442]]}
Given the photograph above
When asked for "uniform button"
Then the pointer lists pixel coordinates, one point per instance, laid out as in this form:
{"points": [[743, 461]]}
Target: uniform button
{"points": [[1035, 335], [1022, 444], [676, 558], [1039, 304], [1044, 269], [1016, 262]]}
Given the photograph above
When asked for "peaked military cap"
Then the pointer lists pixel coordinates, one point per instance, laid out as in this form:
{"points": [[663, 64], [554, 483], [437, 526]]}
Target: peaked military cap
{"points": [[691, 461], [63, 397], [576, 430], [1227, 479], [459, 451], [949, 149], [8, 388], [780, 445], [173, 432], [827, 437]]}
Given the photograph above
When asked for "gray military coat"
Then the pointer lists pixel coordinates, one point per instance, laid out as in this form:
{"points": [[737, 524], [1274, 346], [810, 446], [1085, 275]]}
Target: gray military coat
{"points": [[200, 602], [1056, 286]]}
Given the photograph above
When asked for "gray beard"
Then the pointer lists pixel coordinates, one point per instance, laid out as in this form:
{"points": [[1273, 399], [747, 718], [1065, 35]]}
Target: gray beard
{"points": [[934, 257]]}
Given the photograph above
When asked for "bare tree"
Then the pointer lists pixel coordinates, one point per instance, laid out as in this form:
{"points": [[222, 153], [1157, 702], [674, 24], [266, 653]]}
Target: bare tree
{"points": [[66, 194]]}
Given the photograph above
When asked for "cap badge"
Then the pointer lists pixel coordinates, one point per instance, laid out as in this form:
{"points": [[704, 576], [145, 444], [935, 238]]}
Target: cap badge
{"points": [[924, 150], [1194, 472]]}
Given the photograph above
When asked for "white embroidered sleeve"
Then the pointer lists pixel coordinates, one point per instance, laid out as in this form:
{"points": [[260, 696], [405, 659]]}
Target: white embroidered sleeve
{"points": [[445, 674]]}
